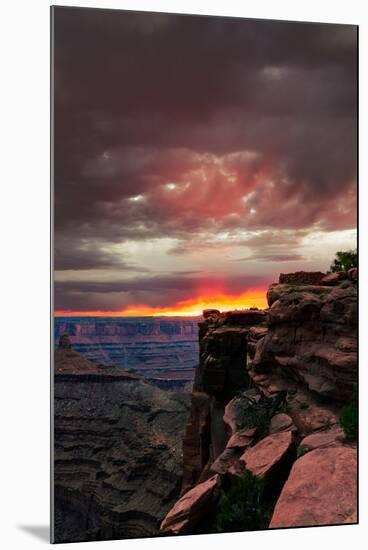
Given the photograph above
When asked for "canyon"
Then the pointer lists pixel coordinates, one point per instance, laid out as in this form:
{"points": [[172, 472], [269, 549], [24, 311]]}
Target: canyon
{"points": [[260, 441], [164, 350], [117, 450]]}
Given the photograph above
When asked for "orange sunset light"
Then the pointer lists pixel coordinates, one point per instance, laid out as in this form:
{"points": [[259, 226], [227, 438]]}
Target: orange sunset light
{"points": [[190, 307]]}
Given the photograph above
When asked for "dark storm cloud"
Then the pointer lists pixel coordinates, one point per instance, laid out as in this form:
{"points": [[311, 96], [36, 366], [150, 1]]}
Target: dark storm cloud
{"points": [[253, 121]]}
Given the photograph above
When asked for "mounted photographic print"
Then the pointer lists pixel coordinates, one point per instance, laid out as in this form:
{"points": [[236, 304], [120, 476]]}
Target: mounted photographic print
{"points": [[204, 362]]}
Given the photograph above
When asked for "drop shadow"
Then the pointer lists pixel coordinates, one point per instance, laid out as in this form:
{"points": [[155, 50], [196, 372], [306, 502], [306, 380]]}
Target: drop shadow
{"points": [[41, 532]]}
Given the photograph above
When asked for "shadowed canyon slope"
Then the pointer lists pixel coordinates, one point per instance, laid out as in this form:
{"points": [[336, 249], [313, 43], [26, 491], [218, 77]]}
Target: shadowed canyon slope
{"points": [[118, 452]]}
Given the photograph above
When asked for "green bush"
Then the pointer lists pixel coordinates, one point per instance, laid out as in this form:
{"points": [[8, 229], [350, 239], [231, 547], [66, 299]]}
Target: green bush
{"points": [[348, 418], [344, 260], [301, 451], [241, 508]]}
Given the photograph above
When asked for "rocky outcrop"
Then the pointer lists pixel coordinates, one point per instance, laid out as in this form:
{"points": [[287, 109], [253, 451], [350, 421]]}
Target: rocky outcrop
{"points": [[268, 389], [191, 508], [118, 456], [325, 438], [311, 340], [301, 278], [64, 341], [321, 490], [281, 423], [270, 454], [223, 341]]}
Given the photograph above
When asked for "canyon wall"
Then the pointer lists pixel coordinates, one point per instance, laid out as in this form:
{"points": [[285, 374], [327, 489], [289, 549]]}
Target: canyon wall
{"points": [[164, 350], [117, 451], [265, 406]]}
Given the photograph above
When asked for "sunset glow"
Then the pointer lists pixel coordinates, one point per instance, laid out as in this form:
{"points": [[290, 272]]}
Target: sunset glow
{"points": [[190, 307]]}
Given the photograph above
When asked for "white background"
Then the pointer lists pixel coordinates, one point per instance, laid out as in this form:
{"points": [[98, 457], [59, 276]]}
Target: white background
{"points": [[24, 290]]}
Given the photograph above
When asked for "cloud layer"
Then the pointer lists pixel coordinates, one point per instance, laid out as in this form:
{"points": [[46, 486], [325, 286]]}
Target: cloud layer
{"points": [[211, 132]]}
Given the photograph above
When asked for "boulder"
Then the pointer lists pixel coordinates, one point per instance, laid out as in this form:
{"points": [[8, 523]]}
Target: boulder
{"points": [[321, 490], [335, 278], [268, 453], [310, 416], [242, 438], [191, 508], [326, 438], [228, 462], [281, 423]]}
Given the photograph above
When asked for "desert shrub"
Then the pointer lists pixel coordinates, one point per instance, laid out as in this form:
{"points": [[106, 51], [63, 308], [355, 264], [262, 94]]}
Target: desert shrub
{"points": [[344, 260], [348, 418], [241, 507], [301, 451]]}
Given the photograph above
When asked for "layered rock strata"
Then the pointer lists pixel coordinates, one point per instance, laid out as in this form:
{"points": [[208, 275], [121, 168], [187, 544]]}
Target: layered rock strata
{"points": [[266, 400], [118, 456]]}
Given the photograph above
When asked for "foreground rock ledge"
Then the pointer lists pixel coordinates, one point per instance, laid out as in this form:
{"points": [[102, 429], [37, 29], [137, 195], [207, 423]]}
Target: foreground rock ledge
{"points": [[321, 490], [190, 508], [269, 452]]}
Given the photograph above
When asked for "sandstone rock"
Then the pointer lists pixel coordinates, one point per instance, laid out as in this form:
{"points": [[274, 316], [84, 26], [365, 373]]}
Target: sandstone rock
{"points": [[281, 423], [222, 369], [230, 415], [246, 317], [321, 490], [340, 308], [218, 428], [196, 451], [353, 274], [268, 453], [191, 508], [242, 438], [311, 339], [295, 307], [276, 291], [310, 416], [326, 438], [335, 278], [210, 312], [301, 278], [228, 462]]}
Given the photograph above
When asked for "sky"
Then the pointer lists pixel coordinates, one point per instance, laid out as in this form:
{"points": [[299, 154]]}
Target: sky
{"points": [[196, 158]]}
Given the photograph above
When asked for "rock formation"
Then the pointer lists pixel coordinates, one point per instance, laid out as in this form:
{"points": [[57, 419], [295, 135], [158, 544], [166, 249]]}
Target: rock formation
{"points": [[164, 350], [266, 400], [118, 456]]}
